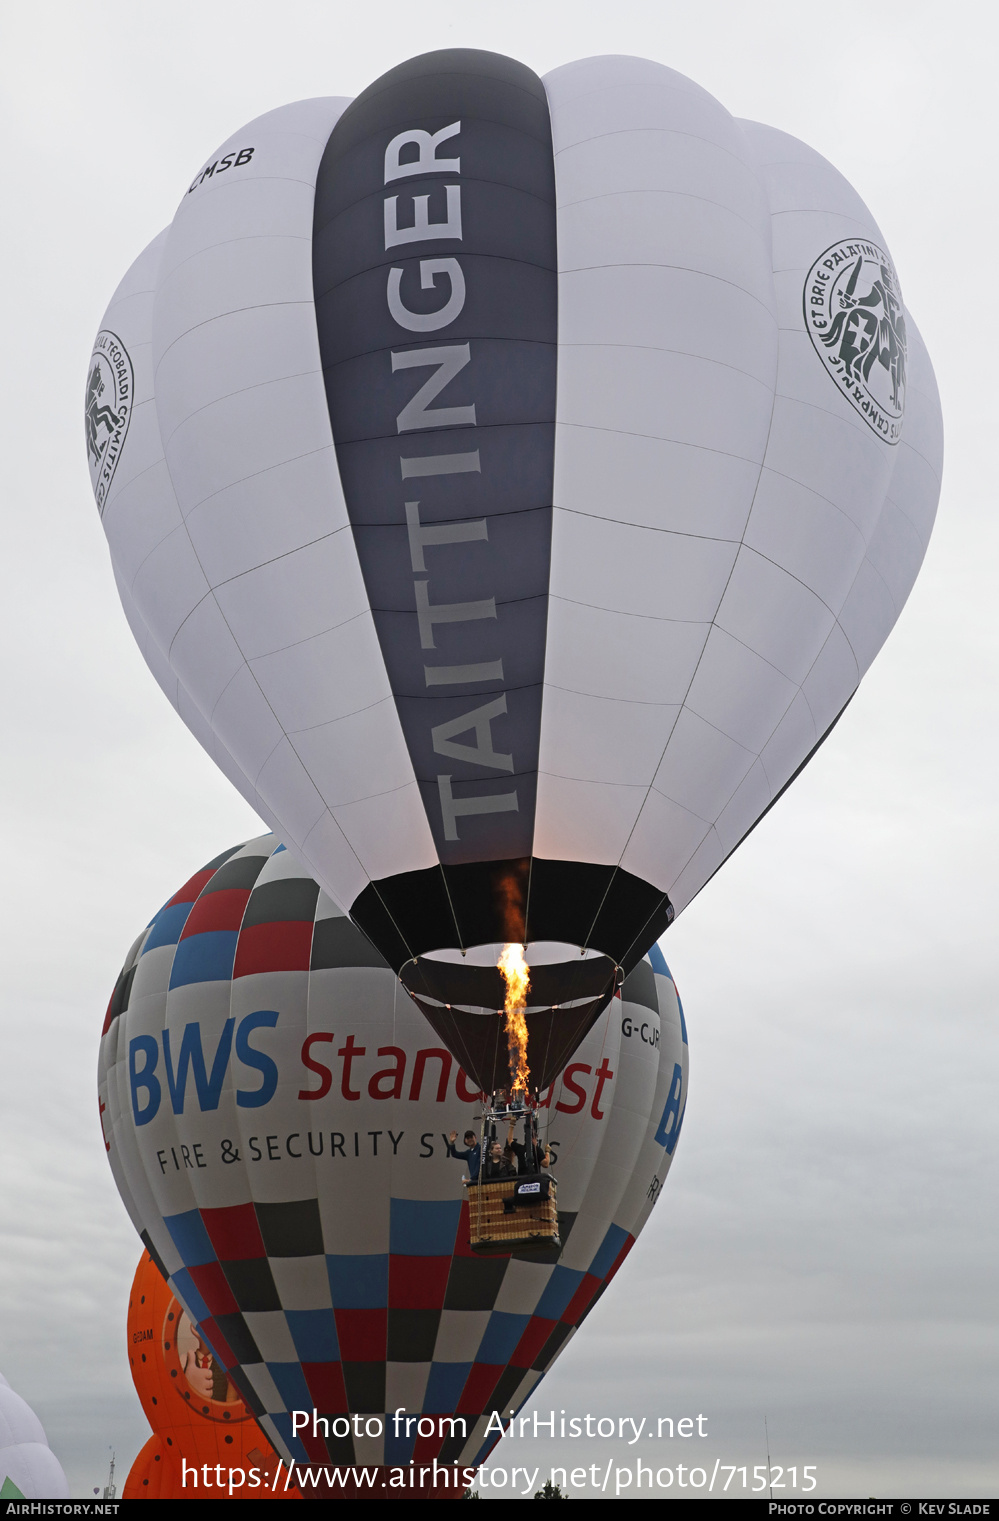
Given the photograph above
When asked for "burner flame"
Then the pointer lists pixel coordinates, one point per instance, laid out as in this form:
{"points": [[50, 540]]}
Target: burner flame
{"points": [[517, 976]]}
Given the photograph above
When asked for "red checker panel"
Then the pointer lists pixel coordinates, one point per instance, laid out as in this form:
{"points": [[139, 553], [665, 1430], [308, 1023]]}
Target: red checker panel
{"points": [[325, 1381], [535, 1335], [213, 1336], [282, 947], [479, 1385], [363, 1335], [418, 1283], [234, 1232], [461, 1246], [315, 1446], [212, 1284], [193, 888], [580, 1301], [217, 911], [427, 1448]]}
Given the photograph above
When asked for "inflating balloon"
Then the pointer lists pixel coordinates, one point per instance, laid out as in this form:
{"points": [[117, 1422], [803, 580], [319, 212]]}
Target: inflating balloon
{"points": [[199, 1421], [29, 1469], [509, 481], [278, 1116]]}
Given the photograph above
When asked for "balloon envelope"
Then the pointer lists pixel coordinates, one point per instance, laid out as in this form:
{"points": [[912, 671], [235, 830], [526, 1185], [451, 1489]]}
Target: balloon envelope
{"points": [[196, 1414], [510, 481], [29, 1469], [276, 1115]]}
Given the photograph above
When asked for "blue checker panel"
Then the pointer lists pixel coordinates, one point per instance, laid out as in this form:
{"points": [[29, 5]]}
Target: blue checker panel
{"points": [[282, 1423], [190, 1238], [559, 1290], [683, 1022], [167, 926], [607, 1251], [399, 1449], [314, 1335], [204, 958], [501, 1337], [423, 1228], [291, 1385], [358, 1283], [444, 1387], [183, 1286], [485, 1449]]}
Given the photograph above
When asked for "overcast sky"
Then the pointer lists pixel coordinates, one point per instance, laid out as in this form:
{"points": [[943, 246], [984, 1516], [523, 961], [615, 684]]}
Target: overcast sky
{"points": [[825, 1249]]}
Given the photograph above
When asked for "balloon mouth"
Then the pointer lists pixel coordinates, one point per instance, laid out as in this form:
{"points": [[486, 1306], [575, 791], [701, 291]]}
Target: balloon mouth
{"points": [[461, 994]]}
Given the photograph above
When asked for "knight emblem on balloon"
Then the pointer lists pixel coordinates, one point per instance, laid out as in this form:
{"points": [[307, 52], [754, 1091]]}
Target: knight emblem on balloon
{"points": [[108, 409], [855, 319], [487, 516]]}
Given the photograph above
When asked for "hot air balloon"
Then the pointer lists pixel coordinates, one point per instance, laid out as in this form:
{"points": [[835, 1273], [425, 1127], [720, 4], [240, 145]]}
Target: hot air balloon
{"points": [[509, 482], [29, 1469], [198, 1418], [277, 1117]]}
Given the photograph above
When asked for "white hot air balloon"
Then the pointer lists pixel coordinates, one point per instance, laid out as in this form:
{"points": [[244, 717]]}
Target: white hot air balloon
{"points": [[509, 481], [29, 1469]]}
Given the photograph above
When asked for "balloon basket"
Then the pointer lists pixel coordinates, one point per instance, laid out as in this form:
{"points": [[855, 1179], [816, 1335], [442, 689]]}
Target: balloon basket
{"points": [[515, 1215]]}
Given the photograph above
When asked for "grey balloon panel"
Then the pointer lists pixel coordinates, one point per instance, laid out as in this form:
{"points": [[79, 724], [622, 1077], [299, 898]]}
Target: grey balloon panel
{"points": [[141, 510], [505, 137], [460, 612], [759, 671], [503, 291], [660, 439], [255, 474], [263, 515]]}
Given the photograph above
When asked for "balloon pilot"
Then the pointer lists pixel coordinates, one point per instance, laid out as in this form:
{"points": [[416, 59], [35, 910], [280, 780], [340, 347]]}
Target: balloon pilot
{"points": [[472, 1153]]}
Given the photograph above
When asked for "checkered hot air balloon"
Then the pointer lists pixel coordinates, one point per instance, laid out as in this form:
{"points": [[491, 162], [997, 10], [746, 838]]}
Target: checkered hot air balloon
{"points": [[276, 1113]]}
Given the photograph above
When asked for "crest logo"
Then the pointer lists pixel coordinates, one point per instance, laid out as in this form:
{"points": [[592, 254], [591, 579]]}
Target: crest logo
{"points": [[108, 410], [853, 313]]}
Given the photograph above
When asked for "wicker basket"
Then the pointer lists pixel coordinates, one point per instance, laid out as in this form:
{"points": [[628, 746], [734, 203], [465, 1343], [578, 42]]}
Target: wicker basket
{"points": [[500, 1222]]}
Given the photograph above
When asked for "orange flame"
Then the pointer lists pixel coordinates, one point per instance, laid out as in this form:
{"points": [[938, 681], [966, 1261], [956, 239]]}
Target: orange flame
{"points": [[510, 902], [517, 976]]}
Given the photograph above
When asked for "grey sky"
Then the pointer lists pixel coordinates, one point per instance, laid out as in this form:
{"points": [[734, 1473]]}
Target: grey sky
{"points": [[825, 1249]]}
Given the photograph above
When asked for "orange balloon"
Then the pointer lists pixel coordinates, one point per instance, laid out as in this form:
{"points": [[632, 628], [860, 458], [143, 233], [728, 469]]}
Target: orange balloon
{"points": [[151, 1476], [203, 1434]]}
